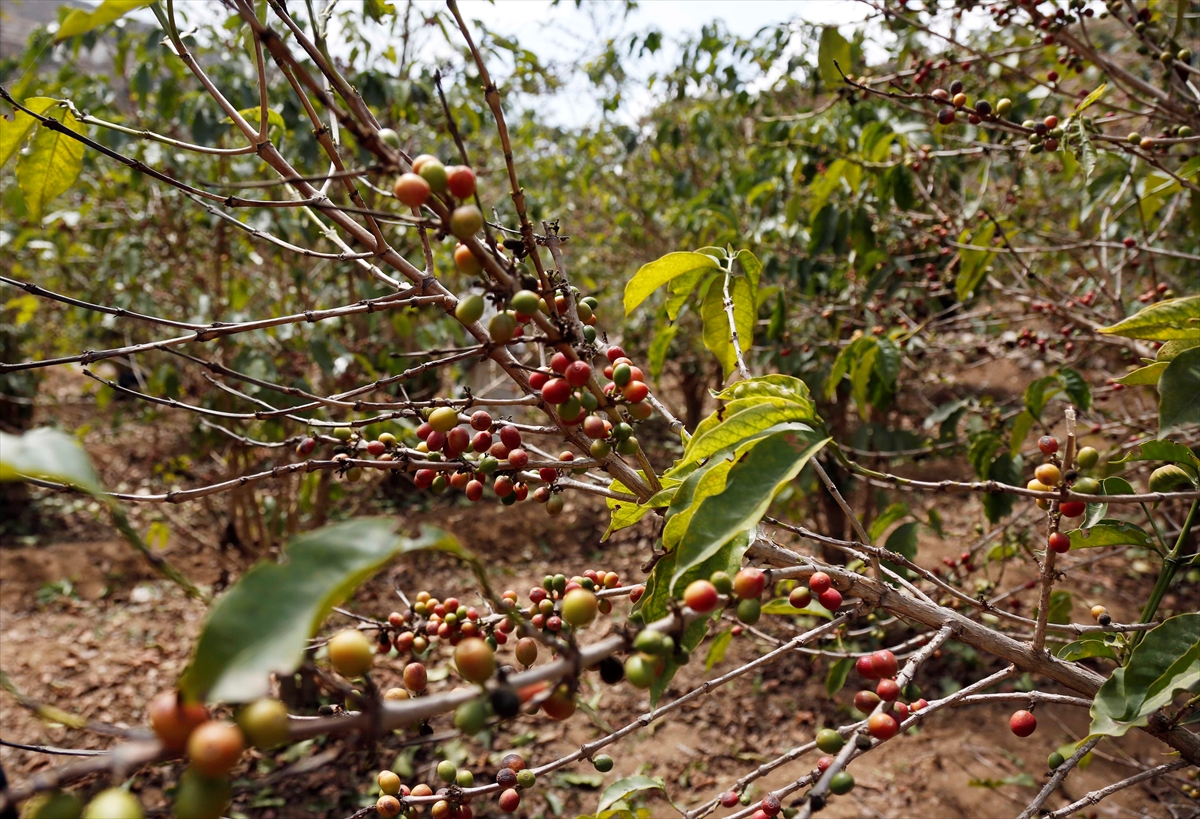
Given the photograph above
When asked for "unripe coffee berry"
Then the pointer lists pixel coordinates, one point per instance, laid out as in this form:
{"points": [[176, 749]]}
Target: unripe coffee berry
{"points": [[749, 611], [830, 741], [865, 701], [579, 607], [722, 582], [602, 763], [215, 747], [800, 597], [475, 660], [841, 783], [389, 782], [526, 779], [351, 653], [1049, 474], [883, 726]]}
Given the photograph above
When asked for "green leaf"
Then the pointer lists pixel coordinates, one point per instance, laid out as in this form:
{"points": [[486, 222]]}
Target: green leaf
{"points": [[903, 192], [1087, 151], [845, 361], [81, 22], [1167, 660], [1109, 532], [1175, 346], [1075, 387], [51, 166], [751, 265], [781, 606], [860, 378], [751, 423], [748, 489], [1166, 320], [972, 265], [1179, 391], [717, 649], [833, 47], [1162, 451], [14, 132], [1092, 97], [1006, 468], [1020, 431], [1087, 647], [1095, 512], [623, 788], [886, 518], [1038, 393], [778, 319], [717, 336], [262, 624], [835, 680], [378, 9], [657, 355], [49, 455], [627, 513], [824, 186], [655, 274], [1059, 609], [1144, 376], [680, 289]]}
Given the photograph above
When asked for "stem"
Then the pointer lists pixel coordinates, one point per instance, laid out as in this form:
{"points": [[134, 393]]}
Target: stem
{"points": [[1167, 573]]}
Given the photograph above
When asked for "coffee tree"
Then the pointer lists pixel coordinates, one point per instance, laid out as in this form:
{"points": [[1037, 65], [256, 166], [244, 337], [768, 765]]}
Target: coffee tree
{"points": [[817, 255]]}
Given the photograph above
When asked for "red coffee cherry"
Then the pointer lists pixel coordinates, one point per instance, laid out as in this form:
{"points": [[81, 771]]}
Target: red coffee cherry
{"points": [[823, 763], [415, 677], [557, 391], [771, 805], [819, 582], [560, 705], [884, 663], [1048, 444], [1059, 542], [701, 596], [748, 584], [901, 710], [460, 180], [481, 421], [883, 726], [1072, 509], [1022, 723], [578, 373], [866, 668], [411, 190], [510, 436], [635, 392], [830, 599], [888, 690], [518, 458], [538, 379], [510, 800], [729, 799], [613, 353]]}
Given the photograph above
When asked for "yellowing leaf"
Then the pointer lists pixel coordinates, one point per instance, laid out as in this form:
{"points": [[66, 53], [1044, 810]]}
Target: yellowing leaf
{"points": [[81, 22], [14, 132], [51, 166], [654, 275]]}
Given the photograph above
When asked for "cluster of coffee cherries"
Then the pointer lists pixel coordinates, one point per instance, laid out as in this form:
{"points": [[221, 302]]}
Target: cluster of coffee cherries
{"points": [[564, 384], [430, 176], [560, 601], [883, 667], [442, 435], [513, 777], [1049, 475], [510, 323]]}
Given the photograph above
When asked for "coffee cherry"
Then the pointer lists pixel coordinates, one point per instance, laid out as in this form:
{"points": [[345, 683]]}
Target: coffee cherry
{"points": [[885, 664], [470, 308], [265, 723], [819, 582], [554, 505], [1049, 474], [830, 741], [771, 805], [866, 668], [201, 797], [465, 260], [883, 726], [527, 651], [421, 790], [749, 611], [983, 108], [888, 690], [559, 706], [215, 747], [830, 599], [306, 447], [578, 373], [919, 705], [823, 763], [1086, 486], [389, 782], [800, 597], [1055, 760], [866, 701], [388, 806], [635, 392], [466, 221], [701, 596], [1022, 723], [460, 180], [640, 671], [447, 771], [1048, 444], [1098, 612], [174, 720], [579, 607], [351, 653], [841, 783], [415, 677], [1072, 509], [443, 419], [475, 660], [1058, 542], [502, 327], [946, 116], [510, 800], [526, 779], [749, 584], [114, 803], [411, 190], [1087, 457]]}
